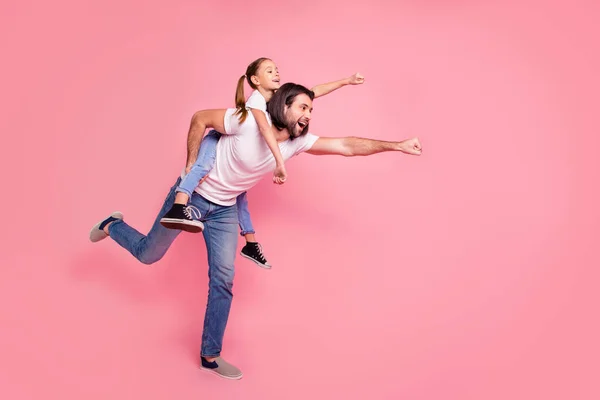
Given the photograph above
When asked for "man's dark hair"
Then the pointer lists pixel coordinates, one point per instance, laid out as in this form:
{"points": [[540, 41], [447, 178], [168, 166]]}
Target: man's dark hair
{"points": [[285, 96]]}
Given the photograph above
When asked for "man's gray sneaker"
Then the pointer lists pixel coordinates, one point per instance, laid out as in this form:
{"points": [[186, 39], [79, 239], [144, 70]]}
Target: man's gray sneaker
{"points": [[97, 232], [221, 368]]}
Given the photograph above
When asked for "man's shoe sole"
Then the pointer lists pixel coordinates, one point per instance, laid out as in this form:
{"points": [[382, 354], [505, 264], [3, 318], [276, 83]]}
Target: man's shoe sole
{"points": [[213, 370]]}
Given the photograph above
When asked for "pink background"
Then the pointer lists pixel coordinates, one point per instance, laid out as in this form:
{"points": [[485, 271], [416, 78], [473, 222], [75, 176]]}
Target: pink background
{"points": [[468, 273]]}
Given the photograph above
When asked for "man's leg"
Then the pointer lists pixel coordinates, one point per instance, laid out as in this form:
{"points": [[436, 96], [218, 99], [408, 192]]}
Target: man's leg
{"points": [[221, 236], [146, 248]]}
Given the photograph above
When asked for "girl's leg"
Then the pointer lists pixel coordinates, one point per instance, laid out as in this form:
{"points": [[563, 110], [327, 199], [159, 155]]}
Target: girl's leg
{"points": [[244, 219], [204, 163], [184, 217], [252, 250]]}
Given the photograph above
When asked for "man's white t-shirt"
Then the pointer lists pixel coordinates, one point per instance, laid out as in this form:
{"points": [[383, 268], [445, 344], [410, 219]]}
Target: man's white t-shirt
{"points": [[243, 158]]}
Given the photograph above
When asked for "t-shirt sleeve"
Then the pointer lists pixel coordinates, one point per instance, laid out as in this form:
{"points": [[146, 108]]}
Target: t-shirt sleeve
{"points": [[305, 143], [257, 101], [231, 123]]}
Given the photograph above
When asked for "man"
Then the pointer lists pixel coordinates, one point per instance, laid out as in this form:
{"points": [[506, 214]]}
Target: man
{"points": [[243, 158]]}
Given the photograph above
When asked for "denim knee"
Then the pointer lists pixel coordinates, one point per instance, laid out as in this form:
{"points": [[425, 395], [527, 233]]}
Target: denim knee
{"points": [[149, 258]]}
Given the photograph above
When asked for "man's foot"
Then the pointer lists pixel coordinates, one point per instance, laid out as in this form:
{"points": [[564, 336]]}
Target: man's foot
{"points": [[97, 233], [253, 251], [221, 368], [185, 218]]}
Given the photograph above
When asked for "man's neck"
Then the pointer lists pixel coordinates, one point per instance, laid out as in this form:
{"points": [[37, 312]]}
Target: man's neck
{"points": [[281, 135]]}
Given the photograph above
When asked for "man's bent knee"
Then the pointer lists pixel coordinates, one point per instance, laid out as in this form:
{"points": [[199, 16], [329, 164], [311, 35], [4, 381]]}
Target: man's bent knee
{"points": [[150, 259]]}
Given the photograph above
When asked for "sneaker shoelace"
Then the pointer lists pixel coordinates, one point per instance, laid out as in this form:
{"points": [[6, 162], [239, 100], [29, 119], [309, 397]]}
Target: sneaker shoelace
{"points": [[192, 212], [258, 249]]}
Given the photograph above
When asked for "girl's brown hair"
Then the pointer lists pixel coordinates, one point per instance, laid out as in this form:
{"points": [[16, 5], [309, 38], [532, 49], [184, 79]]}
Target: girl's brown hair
{"points": [[240, 98]]}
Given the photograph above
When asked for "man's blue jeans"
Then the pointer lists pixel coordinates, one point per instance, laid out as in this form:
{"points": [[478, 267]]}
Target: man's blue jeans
{"points": [[220, 235]]}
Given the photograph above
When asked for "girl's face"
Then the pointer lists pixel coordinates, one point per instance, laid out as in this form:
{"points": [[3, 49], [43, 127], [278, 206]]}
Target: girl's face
{"points": [[267, 76]]}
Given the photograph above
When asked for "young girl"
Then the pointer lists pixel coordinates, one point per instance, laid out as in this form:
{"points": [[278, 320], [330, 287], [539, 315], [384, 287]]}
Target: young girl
{"points": [[263, 76]]}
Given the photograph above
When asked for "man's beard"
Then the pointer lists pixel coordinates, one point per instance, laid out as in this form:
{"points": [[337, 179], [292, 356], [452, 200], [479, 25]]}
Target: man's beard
{"points": [[294, 129]]}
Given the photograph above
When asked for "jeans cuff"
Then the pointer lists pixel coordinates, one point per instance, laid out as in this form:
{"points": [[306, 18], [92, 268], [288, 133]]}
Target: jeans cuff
{"points": [[182, 190], [110, 225], [244, 233]]}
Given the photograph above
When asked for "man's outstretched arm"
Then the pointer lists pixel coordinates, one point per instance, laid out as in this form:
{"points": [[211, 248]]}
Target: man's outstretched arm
{"points": [[202, 120], [356, 146]]}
